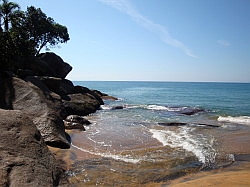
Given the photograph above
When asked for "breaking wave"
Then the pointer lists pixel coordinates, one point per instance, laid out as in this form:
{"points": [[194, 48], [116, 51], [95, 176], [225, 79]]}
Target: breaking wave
{"points": [[244, 120], [201, 147]]}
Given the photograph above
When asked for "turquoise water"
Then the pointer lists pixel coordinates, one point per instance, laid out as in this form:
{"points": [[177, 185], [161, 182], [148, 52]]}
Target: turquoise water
{"points": [[224, 98], [140, 137]]}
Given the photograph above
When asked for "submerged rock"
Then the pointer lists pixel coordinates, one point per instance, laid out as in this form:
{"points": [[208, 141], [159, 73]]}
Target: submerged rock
{"points": [[191, 111], [182, 124], [117, 107]]}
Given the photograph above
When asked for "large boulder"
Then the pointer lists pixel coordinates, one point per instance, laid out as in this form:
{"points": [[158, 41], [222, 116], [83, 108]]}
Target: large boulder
{"points": [[44, 107], [81, 104], [60, 86], [56, 63], [24, 157], [31, 65], [84, 90]]}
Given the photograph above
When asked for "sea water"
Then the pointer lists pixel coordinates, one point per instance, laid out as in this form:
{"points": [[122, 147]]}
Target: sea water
{"points": [[153, 138]]}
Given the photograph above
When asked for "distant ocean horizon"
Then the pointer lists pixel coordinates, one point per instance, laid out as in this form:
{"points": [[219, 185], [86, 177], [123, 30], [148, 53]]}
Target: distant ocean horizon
{"points": [[168, 127]]}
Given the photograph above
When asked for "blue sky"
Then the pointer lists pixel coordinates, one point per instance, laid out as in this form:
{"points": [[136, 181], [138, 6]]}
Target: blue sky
{"points": [[154, 40]]}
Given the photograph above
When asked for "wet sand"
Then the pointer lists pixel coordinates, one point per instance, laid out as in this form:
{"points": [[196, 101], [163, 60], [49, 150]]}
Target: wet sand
{"points": [[235, 174]]}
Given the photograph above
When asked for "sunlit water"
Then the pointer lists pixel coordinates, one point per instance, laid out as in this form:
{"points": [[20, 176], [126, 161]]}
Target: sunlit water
{"points": [[135, 145]]}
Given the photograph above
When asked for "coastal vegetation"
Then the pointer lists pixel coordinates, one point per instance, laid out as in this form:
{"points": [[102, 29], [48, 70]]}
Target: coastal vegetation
{"points": [[25, 33]]}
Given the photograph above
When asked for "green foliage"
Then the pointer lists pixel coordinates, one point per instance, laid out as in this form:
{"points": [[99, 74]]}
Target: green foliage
{"points": [[24, 33]]}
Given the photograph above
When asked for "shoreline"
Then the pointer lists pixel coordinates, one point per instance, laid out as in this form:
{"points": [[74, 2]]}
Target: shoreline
{"points": [[235, 174]]}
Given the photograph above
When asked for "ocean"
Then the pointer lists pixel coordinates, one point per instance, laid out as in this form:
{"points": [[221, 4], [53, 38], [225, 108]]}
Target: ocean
{"points": [[158, 131]]}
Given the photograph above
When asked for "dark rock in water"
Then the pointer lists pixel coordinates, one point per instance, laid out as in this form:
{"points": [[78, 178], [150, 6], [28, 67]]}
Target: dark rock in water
{"points": [[96, 93], [75, 122], [24, 157], [81, 104], [84, 90], [99, 93], [109, 98], [104, 96], [73, 125], [45, 108], [172, 124], [191, 111], [117, 107], [77, 119], [56, 63], [182, 124]]}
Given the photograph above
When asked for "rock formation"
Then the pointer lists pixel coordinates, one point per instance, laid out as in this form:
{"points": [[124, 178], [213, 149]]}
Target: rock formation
{"points": [[25, 159], [35, 99]]}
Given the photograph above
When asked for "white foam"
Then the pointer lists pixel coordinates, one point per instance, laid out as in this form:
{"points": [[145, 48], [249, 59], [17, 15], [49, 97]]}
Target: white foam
{"points": [[105, 107], [156, 107], [125, 158], [245, 120], [186, 141]]}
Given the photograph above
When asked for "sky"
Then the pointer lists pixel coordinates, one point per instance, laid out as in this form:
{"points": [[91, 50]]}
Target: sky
{"points": [[153, 40]]}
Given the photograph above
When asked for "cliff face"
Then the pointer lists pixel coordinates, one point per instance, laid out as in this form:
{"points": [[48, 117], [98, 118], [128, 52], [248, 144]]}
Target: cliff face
{"points": [[35, 98]]}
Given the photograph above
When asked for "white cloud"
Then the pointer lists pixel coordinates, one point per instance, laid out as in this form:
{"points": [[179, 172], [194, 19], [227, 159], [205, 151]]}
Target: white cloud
{"points": [[126, 7], [224, 43]]}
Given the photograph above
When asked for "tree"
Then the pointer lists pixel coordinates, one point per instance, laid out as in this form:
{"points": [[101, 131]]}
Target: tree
{"points": [[42, 30], [8, 12], [25, 33]]}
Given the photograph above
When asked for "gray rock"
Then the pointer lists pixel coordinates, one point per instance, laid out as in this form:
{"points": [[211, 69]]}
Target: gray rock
{"points": [[84, 90], [81, 104], [24, 157], [73, 125], [75, 122], [77, 119], [44, 107]]}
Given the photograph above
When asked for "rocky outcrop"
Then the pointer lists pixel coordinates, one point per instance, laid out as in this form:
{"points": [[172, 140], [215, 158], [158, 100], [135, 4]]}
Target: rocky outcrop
{"points": [[25, 159], [56, 63], [104, 96], [81, 104], [84, 90], [60, 86], [36, 99], [46, 64], [45, 108]]}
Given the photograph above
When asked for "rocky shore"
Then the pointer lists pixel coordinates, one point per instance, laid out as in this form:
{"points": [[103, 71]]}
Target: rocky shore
{"points": [[37, 104]]}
